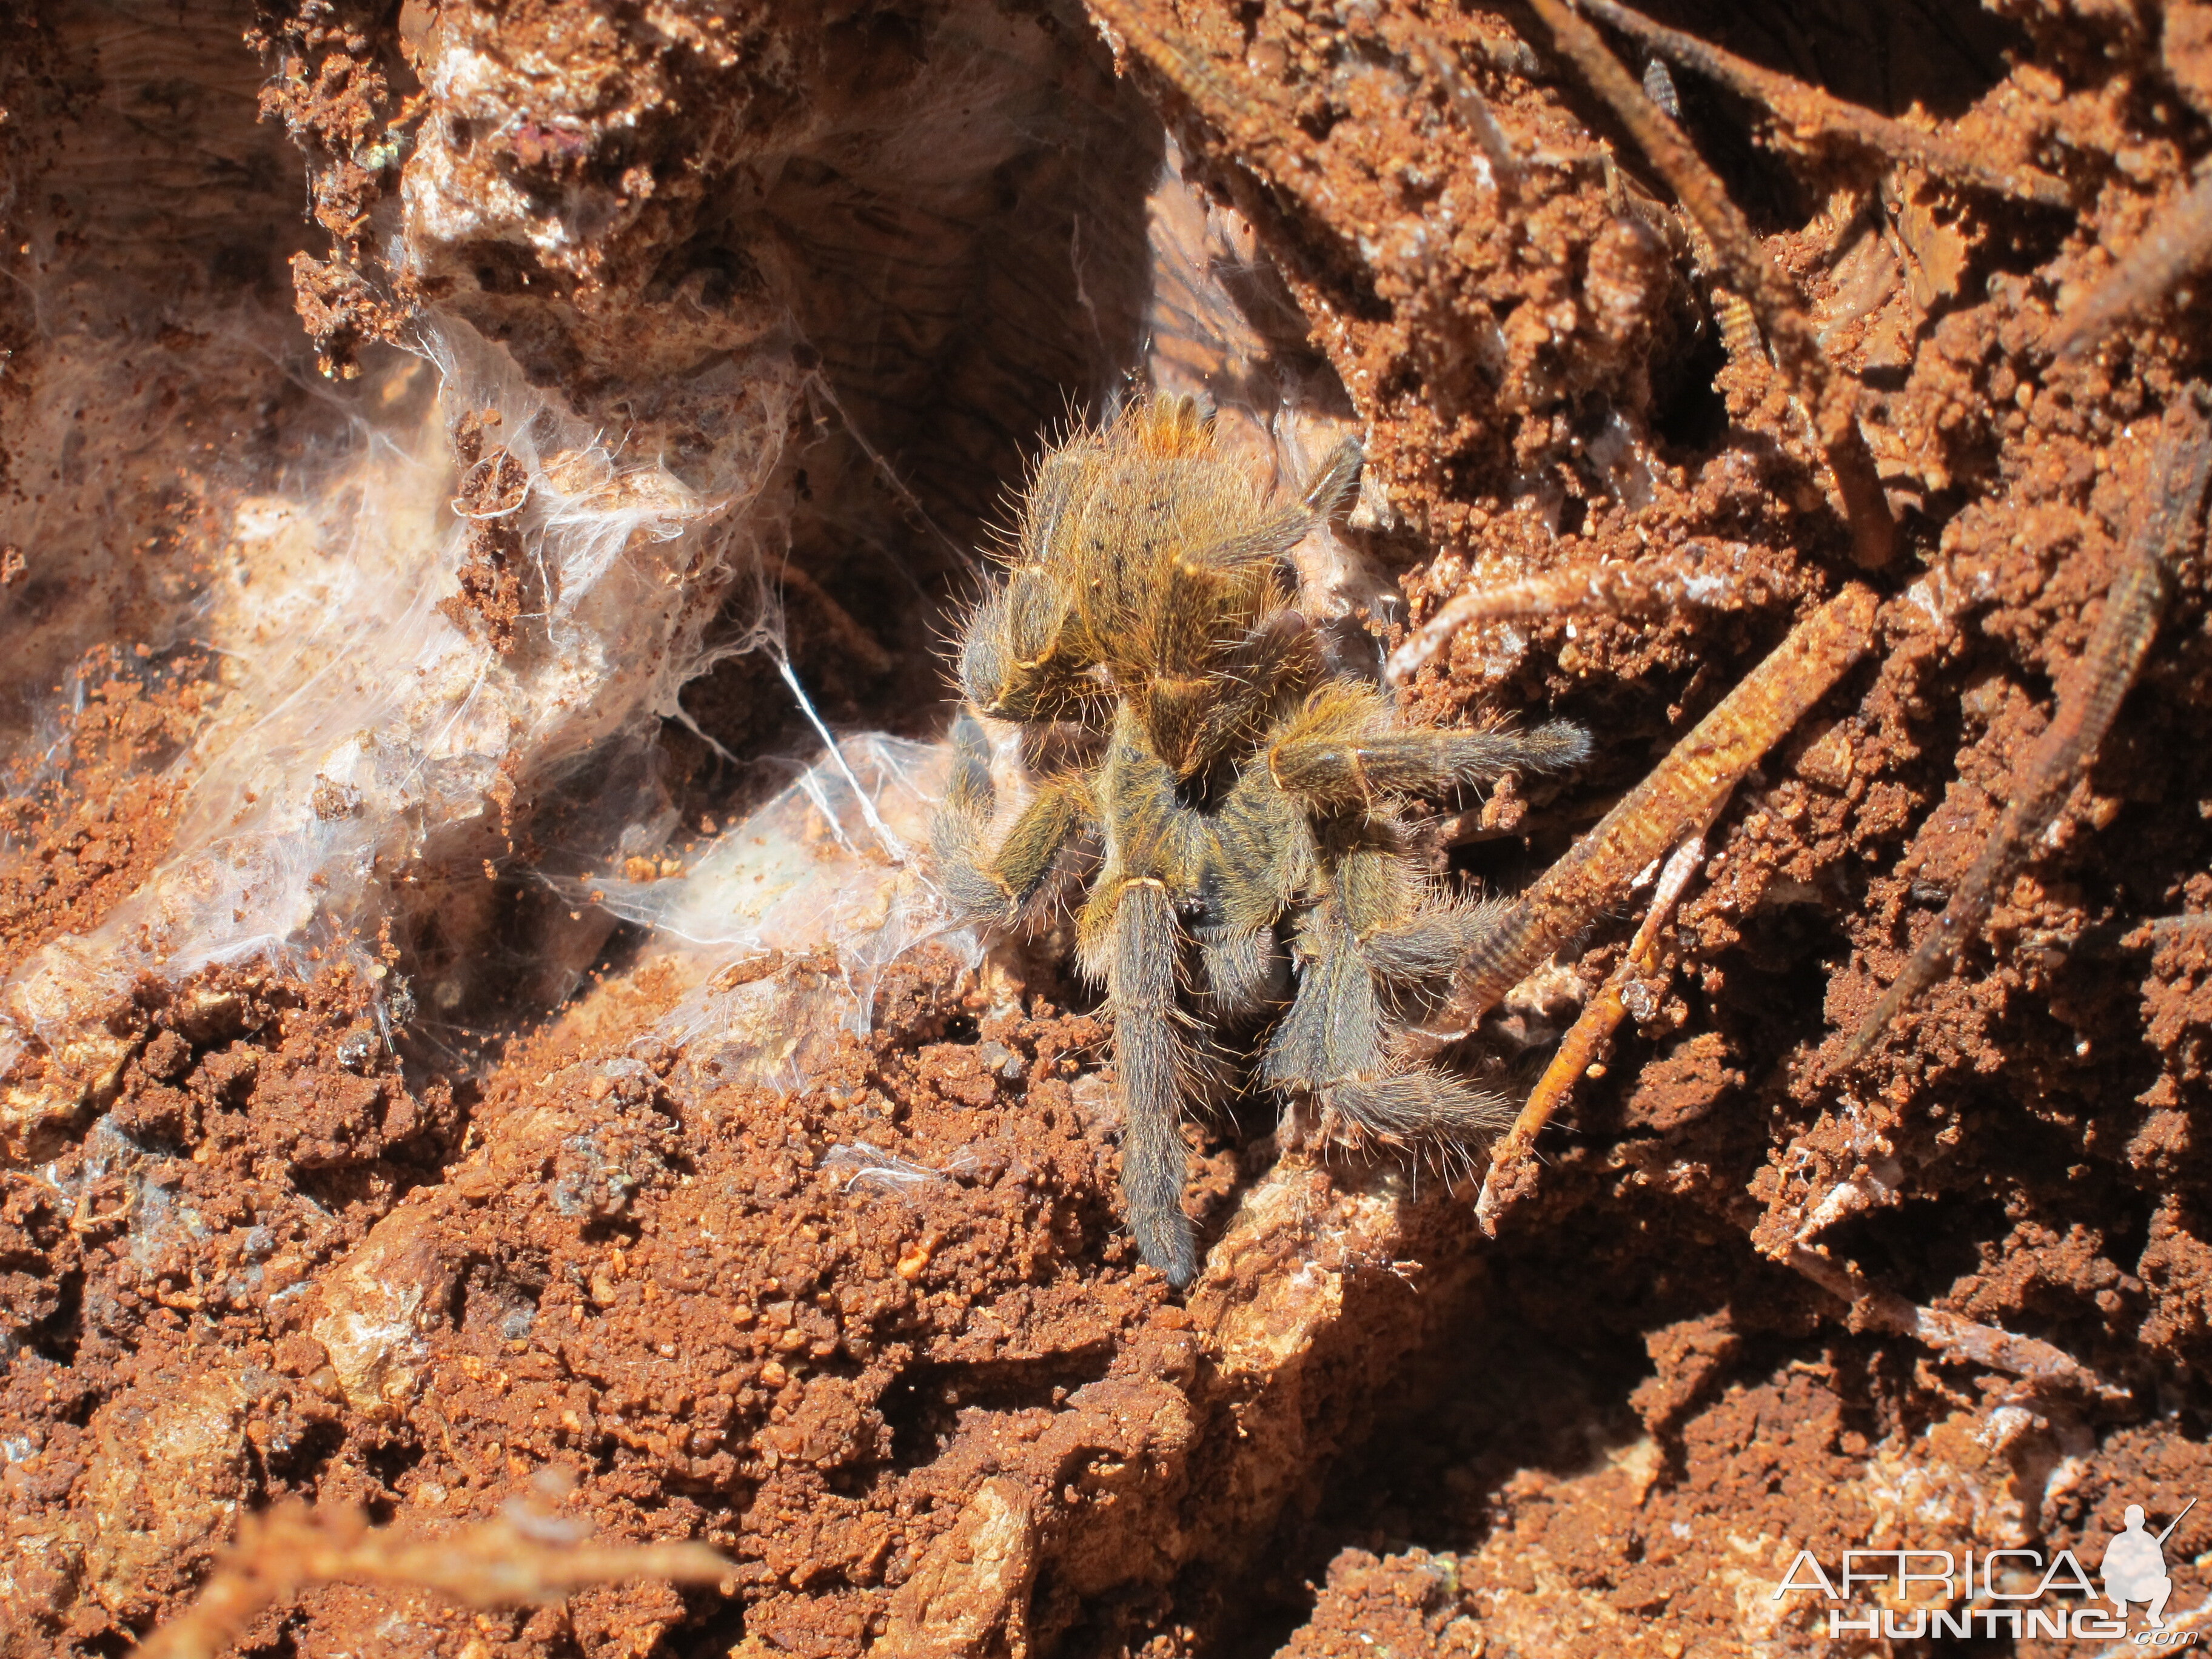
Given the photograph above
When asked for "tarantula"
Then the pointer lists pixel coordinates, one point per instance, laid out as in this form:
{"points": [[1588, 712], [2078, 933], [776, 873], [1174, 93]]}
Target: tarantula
{"points": [[1241, 799]]}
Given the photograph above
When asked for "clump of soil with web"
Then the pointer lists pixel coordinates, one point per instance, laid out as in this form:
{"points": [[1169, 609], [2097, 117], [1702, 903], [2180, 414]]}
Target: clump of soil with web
{"points": [[414, 1084]]}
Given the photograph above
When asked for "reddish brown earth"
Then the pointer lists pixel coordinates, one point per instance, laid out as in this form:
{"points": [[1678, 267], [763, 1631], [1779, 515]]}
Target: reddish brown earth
{"points": [[882, 1340], [88, 810]]}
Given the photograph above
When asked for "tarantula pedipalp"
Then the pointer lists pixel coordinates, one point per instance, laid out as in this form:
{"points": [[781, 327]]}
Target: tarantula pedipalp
{"points": [[1237, 791]]}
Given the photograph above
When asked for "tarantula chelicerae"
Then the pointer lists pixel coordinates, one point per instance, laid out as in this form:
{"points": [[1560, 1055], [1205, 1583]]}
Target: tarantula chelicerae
{"points": [[1235, 790]]}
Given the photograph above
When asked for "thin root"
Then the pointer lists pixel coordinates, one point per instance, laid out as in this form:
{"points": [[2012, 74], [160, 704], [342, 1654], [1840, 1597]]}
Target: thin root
{"points": [[2179, 241], [1512, 1167], [492, 1563], [1827, 395], [2090, 695], [1949, 1334], [1468, 103], [1684, 792], [1812, 112], [1583, 589]]}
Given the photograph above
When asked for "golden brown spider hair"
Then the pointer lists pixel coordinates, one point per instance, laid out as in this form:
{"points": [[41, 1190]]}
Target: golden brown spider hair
{"points": [[1243, 798]]}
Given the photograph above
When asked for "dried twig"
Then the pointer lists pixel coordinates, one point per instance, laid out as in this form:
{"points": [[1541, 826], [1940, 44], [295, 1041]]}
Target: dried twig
{"points": [[1511, 1164], [1681, 794], [1950, 1334], [2179, 241], [1811, 112], [492, 1563], [1828, 396], [2090, 695]]}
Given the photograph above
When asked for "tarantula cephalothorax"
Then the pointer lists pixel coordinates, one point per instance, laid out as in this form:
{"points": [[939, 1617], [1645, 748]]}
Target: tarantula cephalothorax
{"points": [[1234, 788]]}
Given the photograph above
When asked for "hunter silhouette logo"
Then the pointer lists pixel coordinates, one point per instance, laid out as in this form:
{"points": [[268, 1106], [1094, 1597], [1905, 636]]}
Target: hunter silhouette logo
{"points": [[2135, 1566]]}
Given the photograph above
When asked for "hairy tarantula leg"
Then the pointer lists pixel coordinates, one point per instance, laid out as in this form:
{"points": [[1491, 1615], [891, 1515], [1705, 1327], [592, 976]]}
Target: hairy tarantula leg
{"points": [[1245, 972], [1685, 790], [1418, 1104], [1333, 1026], [1827, 394], [1332, 1045], [1252, 859], [1333, 771], [2089, 696], [995, 885], [1191, 581], [1016, 662], [1425, 950], [1334, 482], [1511, 1161], [1801, 108], [2179, 241], [1149, 1064]]}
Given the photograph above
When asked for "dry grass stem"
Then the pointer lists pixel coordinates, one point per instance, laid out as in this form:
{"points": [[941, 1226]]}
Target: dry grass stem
{"points": [[1682, 793], [2090, 695], [1512, 1165], [2178, 244], [1811, 113]]}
